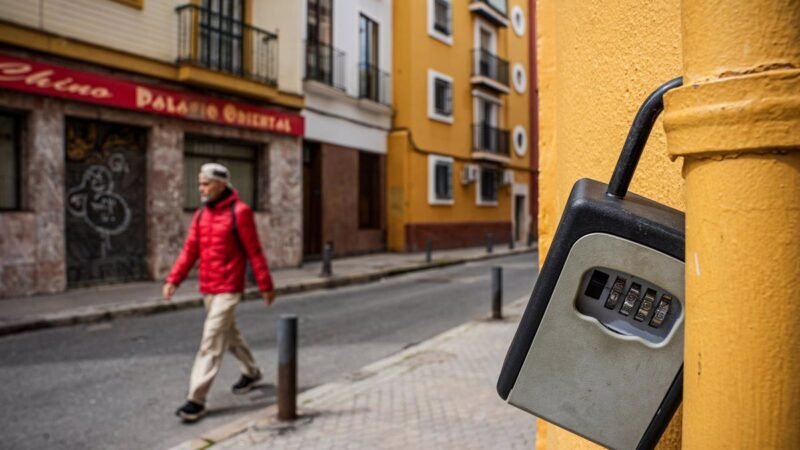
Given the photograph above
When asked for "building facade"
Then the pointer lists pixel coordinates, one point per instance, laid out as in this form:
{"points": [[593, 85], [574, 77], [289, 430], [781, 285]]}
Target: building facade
{"points": [[347, 81], [458, 165], [107, 110]]}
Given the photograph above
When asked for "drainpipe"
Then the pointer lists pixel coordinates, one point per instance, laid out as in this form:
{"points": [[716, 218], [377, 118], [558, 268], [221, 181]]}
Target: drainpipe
{"points": [[533, 116], [736, 123]]}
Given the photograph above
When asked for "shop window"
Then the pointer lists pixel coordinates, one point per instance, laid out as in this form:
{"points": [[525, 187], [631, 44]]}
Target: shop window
{"points": [[369, 190], [440, 97], [440, 180], [10, 167], [487, 186], [240, 159]]}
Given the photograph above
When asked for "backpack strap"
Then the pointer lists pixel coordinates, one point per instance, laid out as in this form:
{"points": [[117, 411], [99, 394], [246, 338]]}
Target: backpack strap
{"points": [[235, 229]]}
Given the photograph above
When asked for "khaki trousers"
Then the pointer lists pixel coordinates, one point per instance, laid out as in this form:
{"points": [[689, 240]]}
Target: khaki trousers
{"points": [[219, 333]]}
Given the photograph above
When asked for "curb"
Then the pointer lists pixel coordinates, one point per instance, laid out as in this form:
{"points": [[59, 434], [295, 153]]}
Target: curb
{"points": [[157, 306], [268, 414]]}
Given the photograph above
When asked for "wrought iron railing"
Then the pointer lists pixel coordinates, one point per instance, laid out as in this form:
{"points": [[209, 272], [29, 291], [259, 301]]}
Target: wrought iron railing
{"points": [[499, 6], [374, 84], [326, 64], [487, 64], [219, 42], [488, 139]]}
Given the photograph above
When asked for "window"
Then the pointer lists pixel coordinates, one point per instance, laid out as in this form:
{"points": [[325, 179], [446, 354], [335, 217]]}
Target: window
{"points": [[319, 32], [443, 97], [369, 74], [240, 159], [487, 186], [221, 35], [440, 97], [319, 28], [369, 190], [440, 20], [10, 166], [440, 180]]}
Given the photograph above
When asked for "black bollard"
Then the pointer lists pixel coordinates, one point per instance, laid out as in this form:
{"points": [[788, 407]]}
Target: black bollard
{"points": [[287, 367], [511, 243], [327, 256], [428, 251], [489, 243], [497, 292]]}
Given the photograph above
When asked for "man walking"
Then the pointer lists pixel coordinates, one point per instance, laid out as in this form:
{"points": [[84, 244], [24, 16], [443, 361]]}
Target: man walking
{"points": [[223, 237]]}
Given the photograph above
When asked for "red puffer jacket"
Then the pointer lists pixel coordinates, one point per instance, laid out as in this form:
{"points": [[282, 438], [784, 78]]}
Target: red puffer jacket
{"points": [[222, 254]]}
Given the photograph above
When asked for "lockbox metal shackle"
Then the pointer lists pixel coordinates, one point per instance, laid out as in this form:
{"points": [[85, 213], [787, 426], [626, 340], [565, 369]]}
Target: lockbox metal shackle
{"points": [[599, 348]]}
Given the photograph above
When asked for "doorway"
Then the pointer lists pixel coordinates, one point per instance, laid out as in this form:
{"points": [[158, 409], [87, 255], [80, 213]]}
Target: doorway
{"points": [[519, 217], [312, 200], [105, 203]]}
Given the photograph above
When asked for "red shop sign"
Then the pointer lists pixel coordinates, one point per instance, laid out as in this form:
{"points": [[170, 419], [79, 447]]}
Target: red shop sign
{"points": [[46, 79]]}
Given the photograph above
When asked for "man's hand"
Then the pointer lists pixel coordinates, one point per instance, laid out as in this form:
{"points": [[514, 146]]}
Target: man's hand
{"points": [[268, 296], [168, 291]]}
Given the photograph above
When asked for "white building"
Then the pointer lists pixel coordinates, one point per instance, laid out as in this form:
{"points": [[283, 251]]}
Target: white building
{"points": [[348, 113]]}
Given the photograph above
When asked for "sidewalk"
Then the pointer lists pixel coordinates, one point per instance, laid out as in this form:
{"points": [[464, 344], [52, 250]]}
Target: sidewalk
{"points": [[113, 301], [436, 395]]}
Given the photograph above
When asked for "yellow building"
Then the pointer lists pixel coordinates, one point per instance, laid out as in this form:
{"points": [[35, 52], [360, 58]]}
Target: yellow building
{"points": [[459, 157], [733, 133]]}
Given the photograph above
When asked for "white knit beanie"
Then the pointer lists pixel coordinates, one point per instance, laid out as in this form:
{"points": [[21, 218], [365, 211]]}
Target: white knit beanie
{"points": [[214, 171]]}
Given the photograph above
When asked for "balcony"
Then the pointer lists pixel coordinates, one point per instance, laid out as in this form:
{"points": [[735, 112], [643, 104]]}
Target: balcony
{"points": [[495, 11], [218, 43], [374, 84], [325, 64], [490, 143], [490, 70]]}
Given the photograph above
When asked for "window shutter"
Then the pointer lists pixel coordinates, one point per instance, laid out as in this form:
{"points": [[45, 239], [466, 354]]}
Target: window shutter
{"points": [[449, 17], [449, 181], [448, 98]]}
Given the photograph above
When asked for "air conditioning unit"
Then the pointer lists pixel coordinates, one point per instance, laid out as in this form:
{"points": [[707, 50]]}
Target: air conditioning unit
{"points": [[508, 177], [470, 174]]}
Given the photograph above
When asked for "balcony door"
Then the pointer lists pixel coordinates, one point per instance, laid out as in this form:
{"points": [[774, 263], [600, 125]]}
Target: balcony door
{"points": [[319, 40], [486, 43], [222, 35], [368, 55], [487, 120]]}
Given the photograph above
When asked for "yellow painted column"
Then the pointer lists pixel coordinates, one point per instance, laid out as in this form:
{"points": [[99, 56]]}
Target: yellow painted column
{"points": [[736, 123]]}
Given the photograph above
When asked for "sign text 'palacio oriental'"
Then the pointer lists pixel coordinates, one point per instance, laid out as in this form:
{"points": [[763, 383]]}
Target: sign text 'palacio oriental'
{"points": [[46, 79]]}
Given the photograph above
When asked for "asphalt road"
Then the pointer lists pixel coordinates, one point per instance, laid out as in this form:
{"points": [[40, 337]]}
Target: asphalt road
{"points": [[116, 385]]}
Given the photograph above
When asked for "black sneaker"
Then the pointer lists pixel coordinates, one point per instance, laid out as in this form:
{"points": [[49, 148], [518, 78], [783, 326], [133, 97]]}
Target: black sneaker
{"points": [[245, 384], [191, 411]]}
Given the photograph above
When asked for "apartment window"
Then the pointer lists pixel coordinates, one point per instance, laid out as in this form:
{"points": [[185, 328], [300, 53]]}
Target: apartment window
{"points": [[320, 23], [10, 167], [240, 159], [440, 97], [440, 180], [369, 190], [222, 35], [487, 186], [440, 20], [369, 74]]}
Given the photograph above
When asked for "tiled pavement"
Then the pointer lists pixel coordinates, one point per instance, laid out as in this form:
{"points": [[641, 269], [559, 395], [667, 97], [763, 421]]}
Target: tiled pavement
{"points": [[436, 395]]}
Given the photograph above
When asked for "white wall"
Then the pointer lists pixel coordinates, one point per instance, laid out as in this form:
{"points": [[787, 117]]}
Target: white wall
{"points": [[151, 31], [359, 124], [287, 18]]}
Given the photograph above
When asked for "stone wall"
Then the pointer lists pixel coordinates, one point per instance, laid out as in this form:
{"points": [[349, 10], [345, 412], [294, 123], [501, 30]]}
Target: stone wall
{"points": [[32, 241]]}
